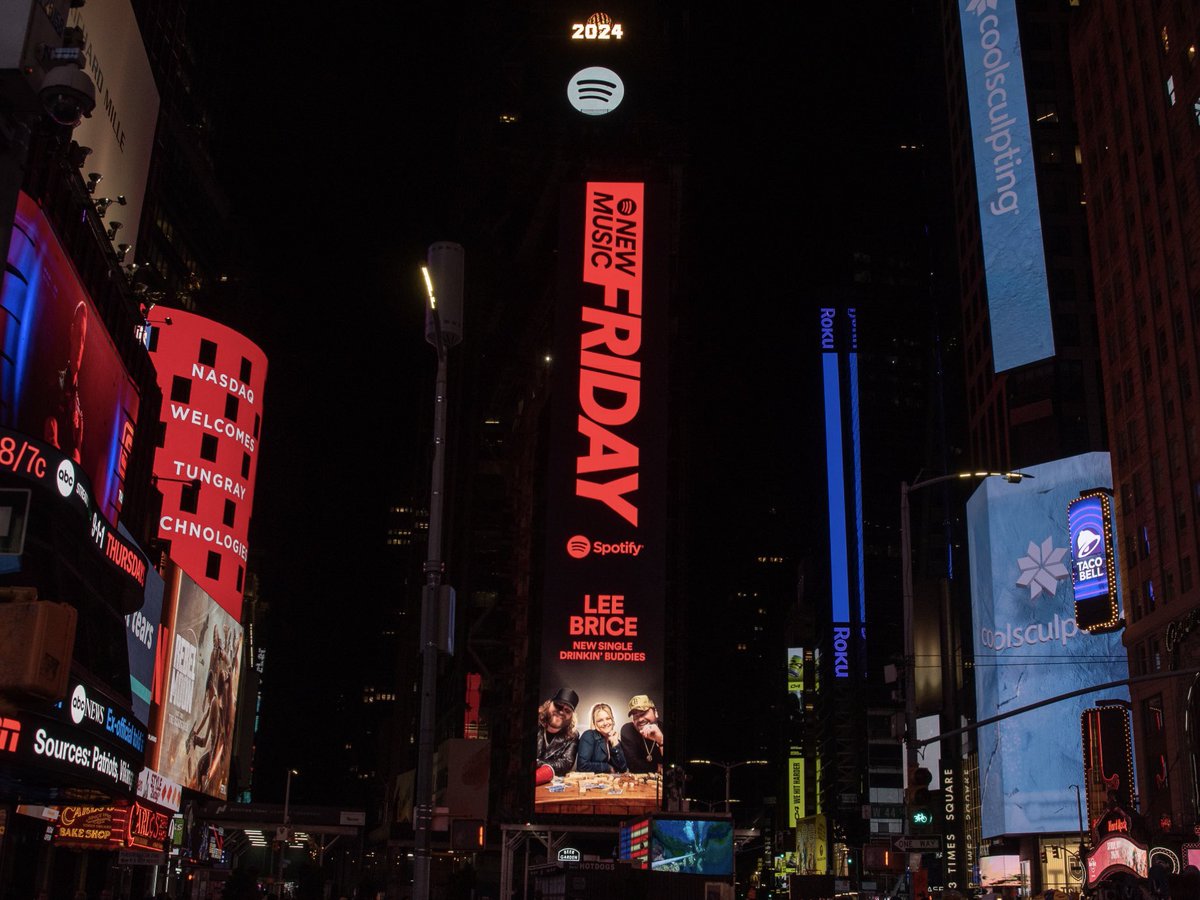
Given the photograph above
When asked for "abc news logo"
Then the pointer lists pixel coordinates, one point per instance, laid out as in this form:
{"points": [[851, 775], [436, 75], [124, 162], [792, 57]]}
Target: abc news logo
{"points": [[580, 546]]}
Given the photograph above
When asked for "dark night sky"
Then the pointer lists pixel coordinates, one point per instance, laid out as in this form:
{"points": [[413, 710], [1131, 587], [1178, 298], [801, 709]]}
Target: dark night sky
{"points": [[337, 142]]}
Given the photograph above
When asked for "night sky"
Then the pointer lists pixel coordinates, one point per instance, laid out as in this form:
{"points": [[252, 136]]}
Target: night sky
{"points": [[340, 136]]}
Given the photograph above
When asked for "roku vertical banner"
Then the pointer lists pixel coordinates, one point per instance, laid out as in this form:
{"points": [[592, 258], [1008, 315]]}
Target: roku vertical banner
{"points": [[1010, 223], [601, 728]]}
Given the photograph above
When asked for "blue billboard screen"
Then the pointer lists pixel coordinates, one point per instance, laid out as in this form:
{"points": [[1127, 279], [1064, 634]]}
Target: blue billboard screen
{"points": [[1028, 646], [1009, 219]]}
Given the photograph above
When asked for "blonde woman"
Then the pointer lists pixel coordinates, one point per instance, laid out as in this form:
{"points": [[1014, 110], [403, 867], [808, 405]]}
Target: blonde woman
{"points": [[600, 747]]}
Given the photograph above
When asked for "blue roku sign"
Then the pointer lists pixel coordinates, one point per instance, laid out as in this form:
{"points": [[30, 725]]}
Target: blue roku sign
{"points": [[1009, 220]]}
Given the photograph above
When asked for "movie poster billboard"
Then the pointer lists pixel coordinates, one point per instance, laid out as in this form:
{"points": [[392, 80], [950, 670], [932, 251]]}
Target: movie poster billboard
{"points": [[196, 703], [212, 379], [1028, 646], [601, 725], [62, 381], [1010, 222]]}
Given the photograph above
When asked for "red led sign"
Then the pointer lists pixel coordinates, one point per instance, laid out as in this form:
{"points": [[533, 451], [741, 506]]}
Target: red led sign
{"points": [[603, 616], [212, 379]]}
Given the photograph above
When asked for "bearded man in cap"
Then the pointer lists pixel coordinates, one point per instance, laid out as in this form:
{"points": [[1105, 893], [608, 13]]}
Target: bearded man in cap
{"points": [[642, 737], [558, 735]]}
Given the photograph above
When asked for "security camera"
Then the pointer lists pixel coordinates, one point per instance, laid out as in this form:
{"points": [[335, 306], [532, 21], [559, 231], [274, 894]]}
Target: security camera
{"points": [[68, 94]]}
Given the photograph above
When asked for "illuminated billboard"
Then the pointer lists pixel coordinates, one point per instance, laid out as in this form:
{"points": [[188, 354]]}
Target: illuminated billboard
{"points": [[212, 380], [196, 695], [1010, 222], [1107, 759], [1028, 646], [600, 724], [843, 472], [695, 846], [141, 643], [62, 381], [120, 132], [1093, 561]]}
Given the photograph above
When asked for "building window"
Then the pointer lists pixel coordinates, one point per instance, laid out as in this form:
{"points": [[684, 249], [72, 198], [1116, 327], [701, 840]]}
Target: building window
{"points": [[244, 371], [208, 447], [245, 465], [230, 513], [1171, 89], [231, 407], [240, 574], [213, 567]]}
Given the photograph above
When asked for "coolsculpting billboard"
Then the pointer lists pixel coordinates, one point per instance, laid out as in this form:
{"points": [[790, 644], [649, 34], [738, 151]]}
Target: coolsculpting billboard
{"points": [[61, 378], [600, 722], [1029, 648], [196, 695], [212, 379], [1009, 220]]}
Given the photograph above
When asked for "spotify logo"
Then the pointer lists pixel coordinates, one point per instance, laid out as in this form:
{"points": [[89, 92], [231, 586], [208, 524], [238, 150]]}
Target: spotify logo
{"points": [[595, 91]]}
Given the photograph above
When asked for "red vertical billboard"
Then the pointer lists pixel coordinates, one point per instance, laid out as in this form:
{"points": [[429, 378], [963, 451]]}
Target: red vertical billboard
{"points": [[212, 381], [600, 724]]}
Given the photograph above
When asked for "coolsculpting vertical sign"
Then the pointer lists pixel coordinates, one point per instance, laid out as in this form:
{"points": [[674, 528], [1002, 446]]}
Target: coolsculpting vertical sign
{"points": [[1009, 220], [1028, 646], [1089, 519], [603, 596]]}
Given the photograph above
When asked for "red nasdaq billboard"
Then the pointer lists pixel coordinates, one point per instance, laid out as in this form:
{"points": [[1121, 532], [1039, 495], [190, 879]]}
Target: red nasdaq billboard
{"points": [[212, 381], [600, 726]]}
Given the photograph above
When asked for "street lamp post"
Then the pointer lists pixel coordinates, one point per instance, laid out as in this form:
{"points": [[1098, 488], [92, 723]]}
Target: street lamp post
{"points": [[287, 833], [949, 699], [1079, 812], [443, 330], [728, 767]]}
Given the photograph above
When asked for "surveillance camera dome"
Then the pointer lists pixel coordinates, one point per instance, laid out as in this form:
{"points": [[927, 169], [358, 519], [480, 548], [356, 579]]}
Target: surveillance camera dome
{"points": [[68, 95]]}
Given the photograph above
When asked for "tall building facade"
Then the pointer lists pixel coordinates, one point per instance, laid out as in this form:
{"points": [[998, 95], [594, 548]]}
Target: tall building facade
{"points": [[1137, 91]]}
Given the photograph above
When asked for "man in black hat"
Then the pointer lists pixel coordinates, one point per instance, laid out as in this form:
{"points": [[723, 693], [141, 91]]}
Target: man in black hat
{"points": [[558, 735], [642, 736]]}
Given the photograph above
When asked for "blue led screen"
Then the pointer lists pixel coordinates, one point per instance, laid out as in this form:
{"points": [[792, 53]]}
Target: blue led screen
{"points": [[1028, 647], [1009, 219]]}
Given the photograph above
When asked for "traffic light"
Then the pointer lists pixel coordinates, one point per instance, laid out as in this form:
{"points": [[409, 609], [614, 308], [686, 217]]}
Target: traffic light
{"points": [[467, 834], [920, 812]]}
